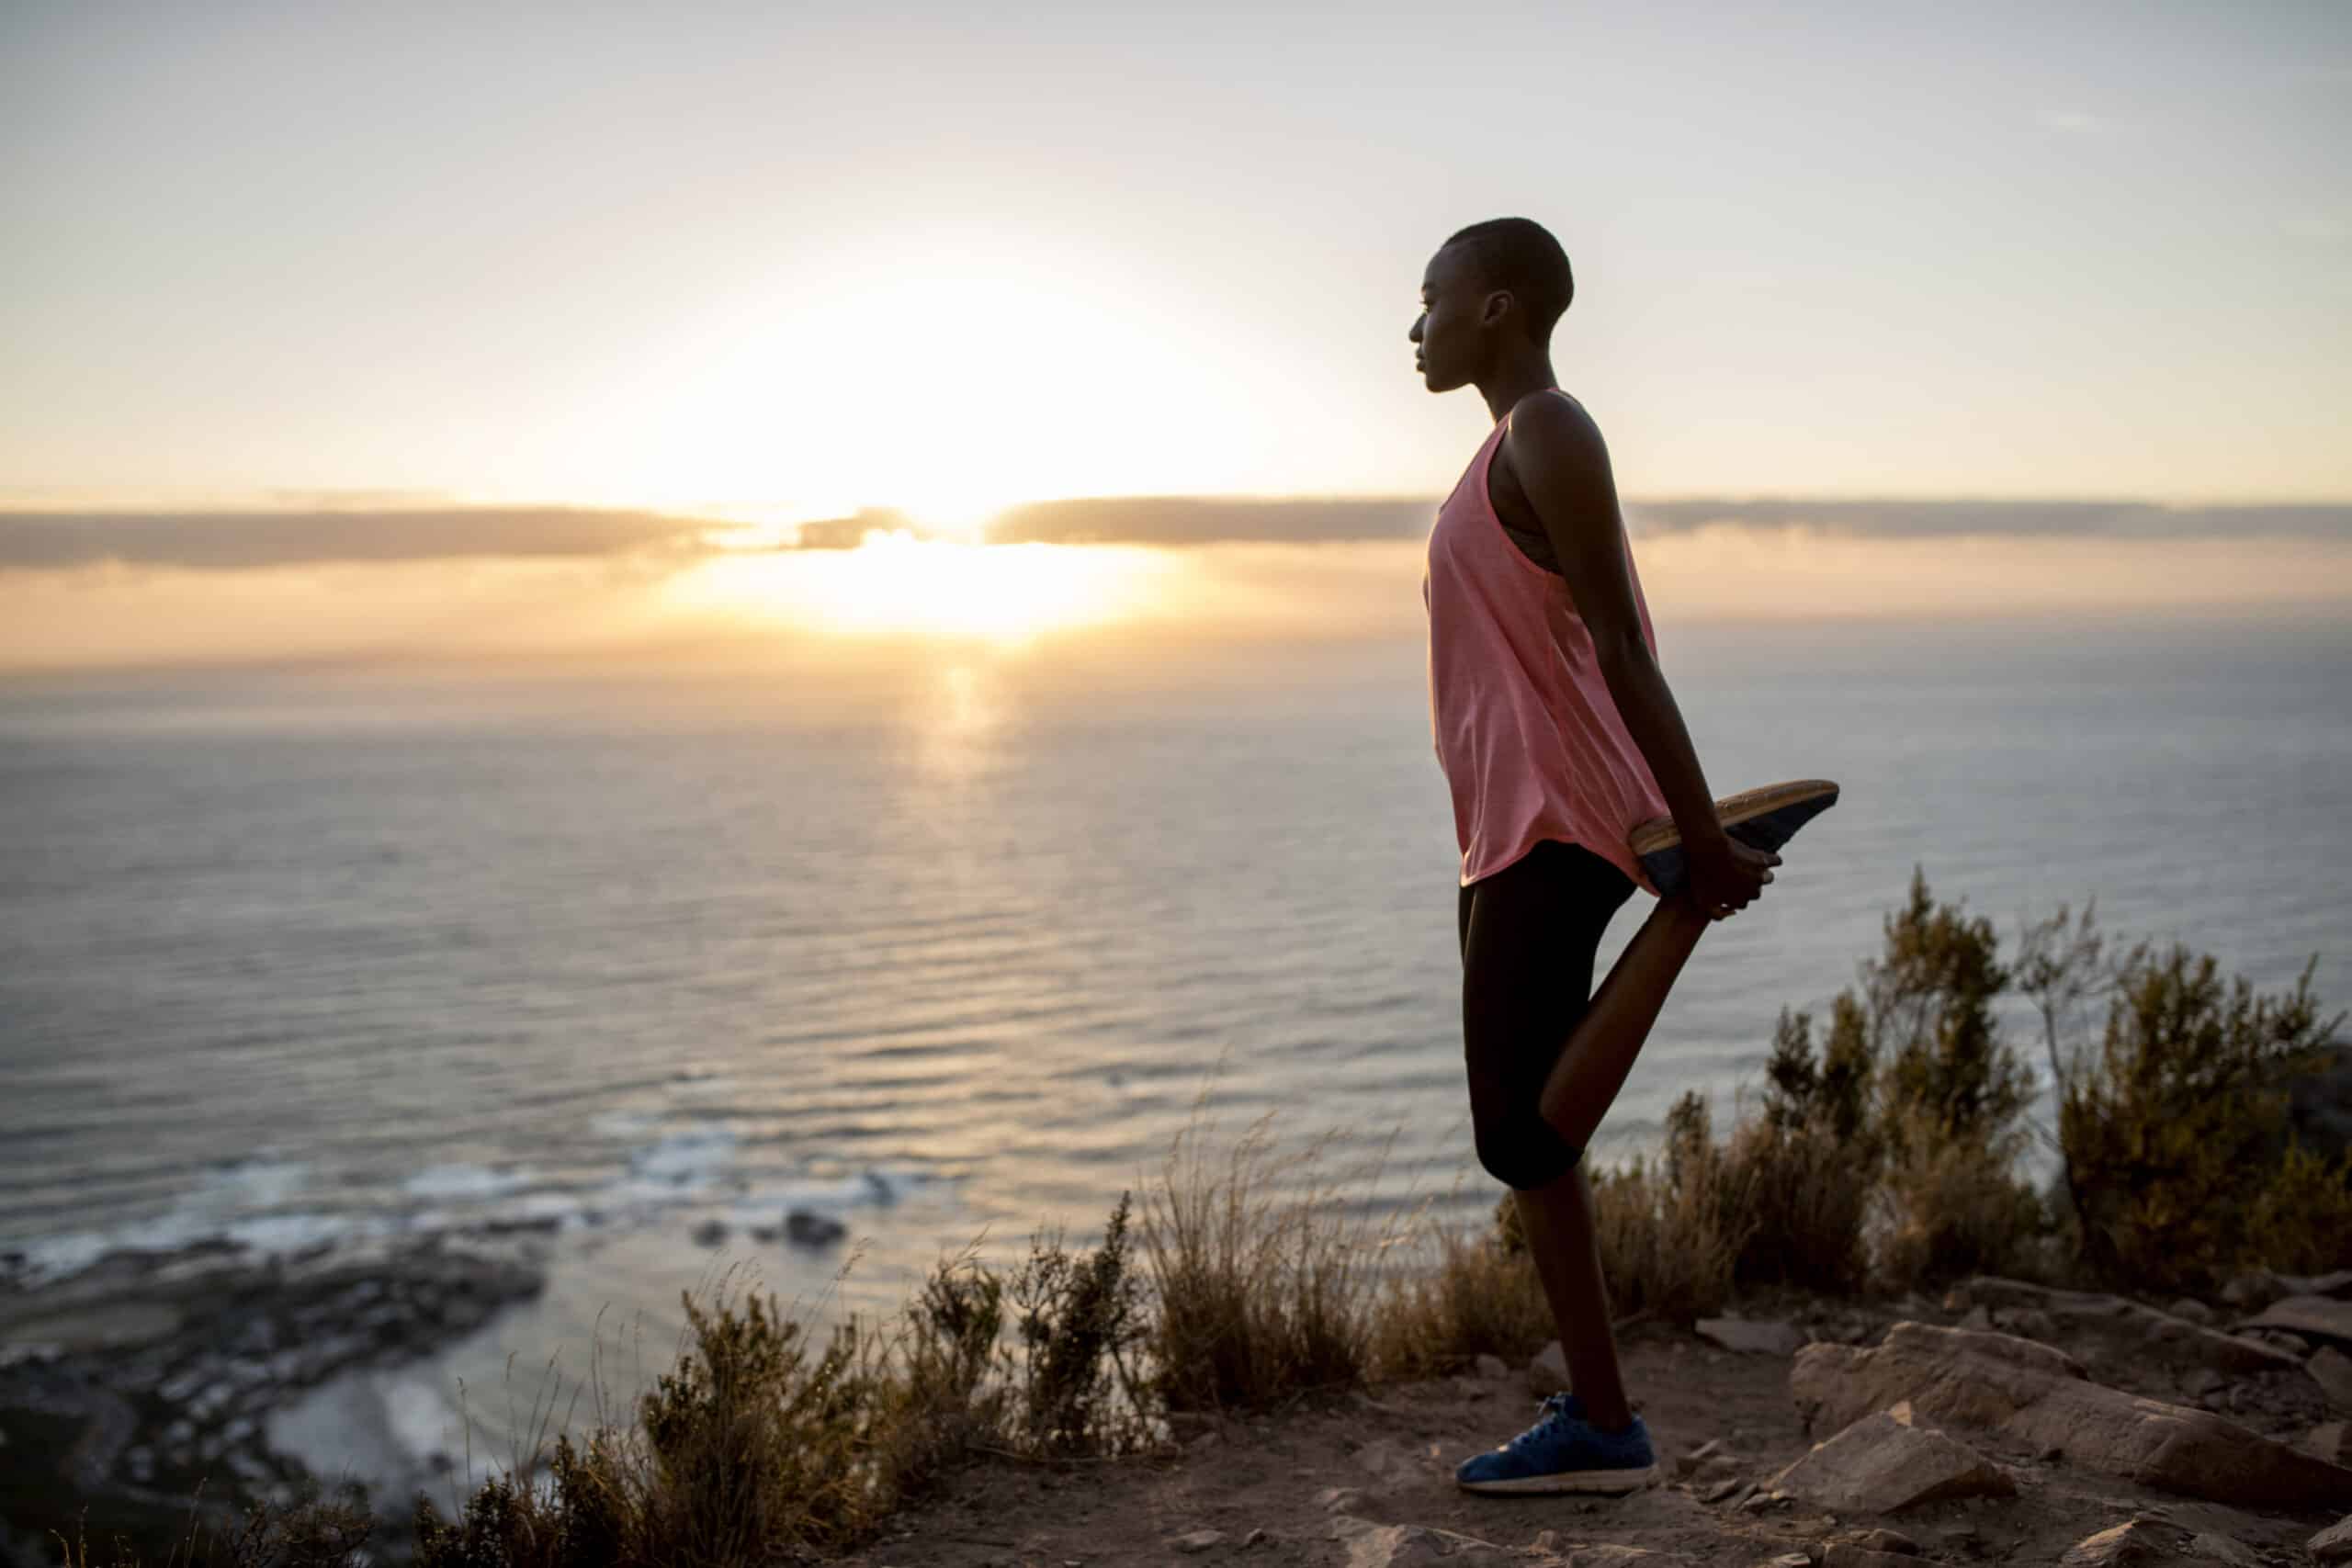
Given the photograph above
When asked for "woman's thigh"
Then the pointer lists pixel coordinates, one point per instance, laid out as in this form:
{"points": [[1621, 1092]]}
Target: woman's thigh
{"points": [[1530, 937]]}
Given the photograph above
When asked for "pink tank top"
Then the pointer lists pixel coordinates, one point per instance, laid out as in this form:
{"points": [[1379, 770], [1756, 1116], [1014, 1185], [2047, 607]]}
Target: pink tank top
{"points": [[1525, 727]]}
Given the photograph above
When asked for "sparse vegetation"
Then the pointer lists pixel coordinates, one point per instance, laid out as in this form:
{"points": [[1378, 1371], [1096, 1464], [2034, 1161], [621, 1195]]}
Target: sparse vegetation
{"points": [[2177, 1152], [1885, 1154]]}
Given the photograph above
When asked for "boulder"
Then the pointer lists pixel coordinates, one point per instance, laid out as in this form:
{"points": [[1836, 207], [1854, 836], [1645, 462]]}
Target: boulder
{"points": [[2337, 1284], [2121, 1546], [2040, 1397], [1197, 1540], [1412, 1546], [2332, 1370], [1492, 1367], [2027, 1322], [2333, 1544], [2113, 1318], [2222, 1552], [806, 1227], [2312, 1317], [1548, 1373], [1883, 1463], [1752, 1337], [2331, 1440]]}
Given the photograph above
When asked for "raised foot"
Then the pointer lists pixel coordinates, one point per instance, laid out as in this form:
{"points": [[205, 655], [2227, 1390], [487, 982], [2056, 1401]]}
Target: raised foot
{"points": [[1761, 818]]}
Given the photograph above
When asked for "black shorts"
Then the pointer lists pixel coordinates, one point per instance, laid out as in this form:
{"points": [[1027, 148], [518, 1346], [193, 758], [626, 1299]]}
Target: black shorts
{"points": [[1530, 935]]}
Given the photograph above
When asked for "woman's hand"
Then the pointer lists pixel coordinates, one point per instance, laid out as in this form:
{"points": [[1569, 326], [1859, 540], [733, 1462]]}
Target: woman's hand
{"points": [[1727, 875]]}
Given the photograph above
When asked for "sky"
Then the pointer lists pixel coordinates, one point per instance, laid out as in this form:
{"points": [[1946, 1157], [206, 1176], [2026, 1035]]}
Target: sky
{"points": [[785, 263]]}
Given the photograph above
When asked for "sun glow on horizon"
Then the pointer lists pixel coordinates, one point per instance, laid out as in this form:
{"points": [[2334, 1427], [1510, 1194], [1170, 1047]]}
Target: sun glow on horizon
{"points": [[895, 583]]}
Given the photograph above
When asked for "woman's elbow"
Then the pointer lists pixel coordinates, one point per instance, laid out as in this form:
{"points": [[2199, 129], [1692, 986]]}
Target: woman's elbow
{"points": [[1621, 650]]}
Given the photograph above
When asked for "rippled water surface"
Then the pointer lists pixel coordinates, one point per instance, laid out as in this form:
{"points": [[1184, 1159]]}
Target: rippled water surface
{"points": [[294, 959]]}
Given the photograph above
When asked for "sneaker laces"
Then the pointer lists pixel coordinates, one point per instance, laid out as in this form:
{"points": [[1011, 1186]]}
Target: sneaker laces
{"points": [[1556, 1414]]}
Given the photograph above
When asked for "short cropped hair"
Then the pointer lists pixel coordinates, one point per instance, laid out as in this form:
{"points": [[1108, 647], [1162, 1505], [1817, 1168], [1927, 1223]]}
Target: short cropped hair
{"points": [[1520, 254]]}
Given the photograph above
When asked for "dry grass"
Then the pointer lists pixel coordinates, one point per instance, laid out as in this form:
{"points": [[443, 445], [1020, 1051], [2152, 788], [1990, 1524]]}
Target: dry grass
{"points": [[1799, 1199], [1265, 1280], [1453, 1296], [1948, 1207], [314, 1530]]}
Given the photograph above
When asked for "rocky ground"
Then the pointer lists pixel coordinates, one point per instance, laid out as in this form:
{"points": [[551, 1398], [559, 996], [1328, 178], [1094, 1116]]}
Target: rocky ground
{"points": [[2055, 1427], [2003, 1422]]}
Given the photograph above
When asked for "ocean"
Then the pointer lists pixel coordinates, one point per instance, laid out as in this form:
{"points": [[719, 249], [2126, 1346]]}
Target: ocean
{"points": [[954, 951]]}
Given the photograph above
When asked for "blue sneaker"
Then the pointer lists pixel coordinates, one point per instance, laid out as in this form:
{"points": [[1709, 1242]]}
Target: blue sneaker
{"points": [[1563, 1452]]}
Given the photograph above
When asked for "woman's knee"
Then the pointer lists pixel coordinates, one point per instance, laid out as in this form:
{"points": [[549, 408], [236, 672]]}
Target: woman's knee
{"points": [[1524, 1153]]}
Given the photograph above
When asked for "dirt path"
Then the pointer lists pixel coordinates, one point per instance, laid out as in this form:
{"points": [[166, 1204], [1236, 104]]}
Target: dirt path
{"points": [[1389, 1457]]}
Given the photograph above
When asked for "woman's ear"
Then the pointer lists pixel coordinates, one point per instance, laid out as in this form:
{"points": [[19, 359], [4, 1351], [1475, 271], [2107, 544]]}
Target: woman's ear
{"points": [[1495, 307]]}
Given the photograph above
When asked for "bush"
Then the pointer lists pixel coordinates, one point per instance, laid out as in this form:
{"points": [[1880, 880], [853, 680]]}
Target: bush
{"points": [[2174, 1130], [1666, 1244], [1261, 1293], [1481, 1298], [1082, 1322]]}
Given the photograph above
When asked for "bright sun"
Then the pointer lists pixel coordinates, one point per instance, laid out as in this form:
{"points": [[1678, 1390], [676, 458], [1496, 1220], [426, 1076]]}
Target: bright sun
{"points": [[897, 583]]}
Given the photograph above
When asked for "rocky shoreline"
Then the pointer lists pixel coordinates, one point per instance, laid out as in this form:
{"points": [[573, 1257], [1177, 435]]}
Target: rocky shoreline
{"points": [[127, 1388]]}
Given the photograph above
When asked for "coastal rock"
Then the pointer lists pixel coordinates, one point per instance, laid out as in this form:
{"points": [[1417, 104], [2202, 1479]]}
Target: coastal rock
{"points": [[2121, 1546], [806, 1227], [1548, 1373], [2113, 1318], [2027, 1322], [2222, 1551], [2331, 1440], [2041, 1397], [2332, 1370], [2333, 1544], [1412, 1546], [1883, 1463], [1752, 1337], [2191, 1310], [710, 1232], [2253, 1290], [2310, 1317]]}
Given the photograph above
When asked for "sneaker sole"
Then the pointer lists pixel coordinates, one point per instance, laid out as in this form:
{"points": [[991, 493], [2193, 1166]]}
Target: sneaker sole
{"points": [[1761, 818], [1587, 1481]]}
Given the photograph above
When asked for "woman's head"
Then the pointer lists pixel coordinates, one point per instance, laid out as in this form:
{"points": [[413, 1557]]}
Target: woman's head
{"points": [[1490, 288]]}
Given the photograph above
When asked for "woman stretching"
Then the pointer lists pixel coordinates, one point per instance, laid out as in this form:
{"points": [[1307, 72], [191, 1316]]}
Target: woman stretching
{"points": [[1573, 781]]}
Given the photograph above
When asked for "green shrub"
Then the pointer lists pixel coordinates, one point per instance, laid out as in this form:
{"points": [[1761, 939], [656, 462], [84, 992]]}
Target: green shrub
{"points": [[2174, 1130], [1082, 1322]]}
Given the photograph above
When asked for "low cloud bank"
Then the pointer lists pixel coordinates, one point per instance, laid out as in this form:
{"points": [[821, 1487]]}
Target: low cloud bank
{"points": [[232, 541]]}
